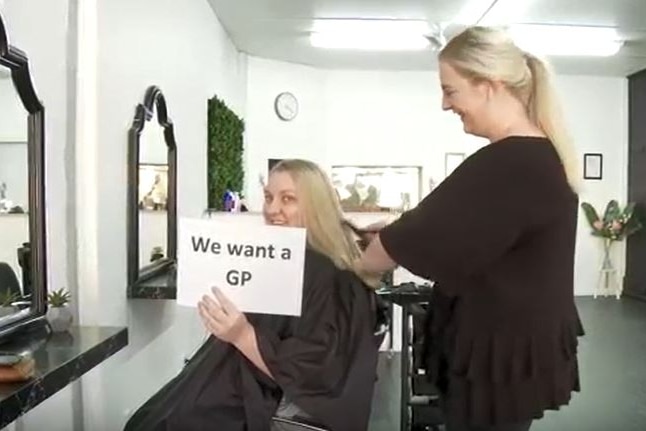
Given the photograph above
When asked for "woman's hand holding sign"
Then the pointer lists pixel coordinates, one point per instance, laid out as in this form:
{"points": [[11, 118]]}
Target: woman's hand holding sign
{"points": [[226, 322], [222, 318]]}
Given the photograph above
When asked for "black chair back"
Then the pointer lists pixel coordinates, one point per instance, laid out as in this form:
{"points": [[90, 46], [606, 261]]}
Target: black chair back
{"points": [[8, 280]]}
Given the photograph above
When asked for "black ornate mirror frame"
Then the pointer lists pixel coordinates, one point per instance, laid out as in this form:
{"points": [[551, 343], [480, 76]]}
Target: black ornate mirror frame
{"points": [[17, 62], [154, 101]]}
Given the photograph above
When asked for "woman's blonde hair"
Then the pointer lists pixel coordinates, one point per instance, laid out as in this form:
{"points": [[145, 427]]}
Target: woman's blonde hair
{"points": [[485, 53], [319, 203]]}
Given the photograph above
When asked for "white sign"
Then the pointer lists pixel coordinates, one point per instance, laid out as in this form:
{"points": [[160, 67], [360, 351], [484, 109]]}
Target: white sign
{"points": [[258, 267]]}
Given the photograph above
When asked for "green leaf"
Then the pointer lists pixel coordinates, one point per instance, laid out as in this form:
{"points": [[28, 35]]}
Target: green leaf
{"points": [[617, 223], [8, 297], [590, 214], [612, 212], [58, 298]]}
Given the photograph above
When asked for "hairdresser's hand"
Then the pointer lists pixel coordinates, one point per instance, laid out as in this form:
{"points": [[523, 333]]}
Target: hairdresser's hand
{"points": [[377, 226], [222, 318], [371, 231]]}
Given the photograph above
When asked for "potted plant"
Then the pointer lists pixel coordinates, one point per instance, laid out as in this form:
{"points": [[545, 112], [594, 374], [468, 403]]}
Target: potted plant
{"points": [[7, 298], [615, 225], [59, 315]]}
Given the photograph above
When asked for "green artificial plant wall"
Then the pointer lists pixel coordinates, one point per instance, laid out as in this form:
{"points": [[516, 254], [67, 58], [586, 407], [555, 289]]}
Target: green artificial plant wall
{"points": [[224, 152]]}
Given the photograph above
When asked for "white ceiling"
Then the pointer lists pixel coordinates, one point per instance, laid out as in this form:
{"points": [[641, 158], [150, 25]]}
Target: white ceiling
{"points": [[279, 29]]}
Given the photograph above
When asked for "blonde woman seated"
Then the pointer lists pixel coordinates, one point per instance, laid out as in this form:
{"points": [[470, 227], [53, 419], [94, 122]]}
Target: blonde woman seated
{"points": [[321, 366]]}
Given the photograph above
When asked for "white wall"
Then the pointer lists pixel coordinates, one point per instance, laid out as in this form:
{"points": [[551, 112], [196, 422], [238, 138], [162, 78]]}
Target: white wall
{"points": [[348, 117], [599, 124], [182, 48], [395, 118], [13, 121], [267, 137]]}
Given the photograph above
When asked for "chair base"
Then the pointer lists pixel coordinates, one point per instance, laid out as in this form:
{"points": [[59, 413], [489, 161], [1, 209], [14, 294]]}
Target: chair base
{"points": [[294, 424]]}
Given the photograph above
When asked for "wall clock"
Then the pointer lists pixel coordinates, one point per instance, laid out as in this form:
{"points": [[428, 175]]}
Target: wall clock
{"points": [[286, 106]]}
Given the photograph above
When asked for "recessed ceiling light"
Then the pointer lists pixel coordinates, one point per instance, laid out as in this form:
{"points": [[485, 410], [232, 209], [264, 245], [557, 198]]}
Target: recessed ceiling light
{"points": [[558, 40], [541, 39], [370, 34]]}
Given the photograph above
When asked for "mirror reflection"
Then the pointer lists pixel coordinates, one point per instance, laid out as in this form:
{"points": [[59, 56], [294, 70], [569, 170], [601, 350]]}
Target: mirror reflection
{"points": [[377, 188], [153, 193], [14, 198]]}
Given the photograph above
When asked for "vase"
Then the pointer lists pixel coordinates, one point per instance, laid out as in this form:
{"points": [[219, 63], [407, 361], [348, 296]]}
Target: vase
{"points": [[608, 277], [59, 318], [607, 263]]}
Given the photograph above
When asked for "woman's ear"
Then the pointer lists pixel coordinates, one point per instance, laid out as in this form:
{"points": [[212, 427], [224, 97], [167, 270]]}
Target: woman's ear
{"points": [[486, 88], [495, 87], [490, 89]]}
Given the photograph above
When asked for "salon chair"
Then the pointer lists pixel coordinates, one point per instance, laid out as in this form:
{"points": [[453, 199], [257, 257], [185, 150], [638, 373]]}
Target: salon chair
{"points": [[294, 424], [24, 260], [420, 403], [297, 423], [9, 283], [8, 280]]}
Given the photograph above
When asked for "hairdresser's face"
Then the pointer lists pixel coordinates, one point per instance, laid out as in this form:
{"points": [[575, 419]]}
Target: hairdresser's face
{"points": [[281, 201], [465, 98]]}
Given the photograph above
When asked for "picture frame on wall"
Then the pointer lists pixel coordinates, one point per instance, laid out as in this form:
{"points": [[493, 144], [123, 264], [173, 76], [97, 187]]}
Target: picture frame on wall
{"points": [[592, 166], [451, 162]]}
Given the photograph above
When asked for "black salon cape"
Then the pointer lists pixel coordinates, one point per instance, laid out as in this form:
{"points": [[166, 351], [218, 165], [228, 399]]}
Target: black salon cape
{"points": [[325, 362]]}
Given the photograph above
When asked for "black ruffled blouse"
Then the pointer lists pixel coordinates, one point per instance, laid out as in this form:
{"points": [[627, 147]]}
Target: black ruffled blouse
{"points": [[498, 237]]}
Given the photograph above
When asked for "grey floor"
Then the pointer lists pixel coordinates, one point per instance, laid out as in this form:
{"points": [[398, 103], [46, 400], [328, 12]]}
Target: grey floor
{"points": [[612, 360]]}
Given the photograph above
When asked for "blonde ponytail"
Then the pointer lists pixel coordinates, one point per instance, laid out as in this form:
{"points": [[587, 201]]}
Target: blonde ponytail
{"points": [[545, 112]]}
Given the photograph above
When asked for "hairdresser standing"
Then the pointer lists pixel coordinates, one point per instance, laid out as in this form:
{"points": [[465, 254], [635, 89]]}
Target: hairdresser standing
{"points": [[498, 236]]}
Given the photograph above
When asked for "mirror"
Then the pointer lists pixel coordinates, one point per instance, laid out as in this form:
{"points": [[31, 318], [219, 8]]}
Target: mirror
{"points": [[152, 231], [22, 203], [14, 194], [377, 188], [153, 195]]}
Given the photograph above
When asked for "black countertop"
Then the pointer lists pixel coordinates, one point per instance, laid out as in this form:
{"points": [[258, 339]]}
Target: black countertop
{"points": [[162, 286], [60, 359]]}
